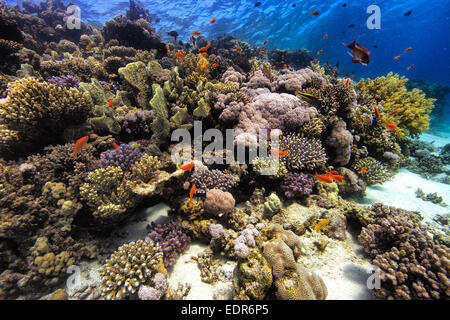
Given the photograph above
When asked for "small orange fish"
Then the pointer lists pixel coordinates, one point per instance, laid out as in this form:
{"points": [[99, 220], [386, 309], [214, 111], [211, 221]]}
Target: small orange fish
{"points": [[284, 66], [48, 50], [363, 170], [372, 100], [214, 65], [332, 172], [204, 54], [205, 47], [274, 67], [323, 178], [397, 57], [336, 177], [353, 76], [390, 126], [347, 82], [265, 42], [116, 146], [168, 50], [282, 57], [213, 20], [82, 142], [262, 52], [314, 60], [188, 166], [319, 52], [408, 49], [89, 46], [279, 153], [179, 54], [196, 33], [238, 49], [191, 193], [411, 66], [315, 13], [326, 36], [110, 103], [377, 112], [394, 112]]}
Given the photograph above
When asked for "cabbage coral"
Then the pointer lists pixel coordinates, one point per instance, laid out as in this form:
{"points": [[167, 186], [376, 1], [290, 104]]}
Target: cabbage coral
{"points": [[391, 93]]}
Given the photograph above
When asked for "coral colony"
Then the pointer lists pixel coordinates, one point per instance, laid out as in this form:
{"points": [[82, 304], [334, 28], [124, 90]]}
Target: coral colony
{"points": [[86, 120]]}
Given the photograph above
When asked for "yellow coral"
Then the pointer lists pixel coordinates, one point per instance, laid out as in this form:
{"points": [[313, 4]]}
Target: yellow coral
{"points": [[391, 93], [202, 66], [322, 225]]}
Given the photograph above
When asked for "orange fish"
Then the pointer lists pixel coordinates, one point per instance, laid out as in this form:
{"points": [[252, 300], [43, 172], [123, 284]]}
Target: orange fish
{"points": [[262, 52], [363, 170], [214, 65], [116, 146], [319, 52], [196, 33], [89, 46], [179, 54], [188, 166], [191, 193], [282, 57], [326, 36], [390, 126], [359, 53], [110, 103], [284, 66], [82, 142], [323, 178], [213, 20], [332, 172], [314, 60], [336, 177], [377, 112], [372, 100], [279, 153], [411, 66], [347, 82], [48, 50], [394, 112], [353, 76], [408, 49], [238, 49], [205, 47], [204, 54], [265, 42], [315, 13], [397, 57], [168, 50], [274, 67]]}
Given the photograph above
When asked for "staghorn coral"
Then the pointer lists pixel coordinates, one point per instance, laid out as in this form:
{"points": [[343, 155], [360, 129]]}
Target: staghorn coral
{"points": [[375, 171], [132, 265], [303, 153], [218, 202], [171, 239], [205, 179], [411, 265], [297, 184], [35, 112], [391, 93], [67, 81]]}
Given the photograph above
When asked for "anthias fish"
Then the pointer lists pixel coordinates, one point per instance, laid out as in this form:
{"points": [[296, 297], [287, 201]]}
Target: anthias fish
{"points": [[80, 144], [191, 193], [279, 153], [213, 20], [315, 13], [116, 146], [188, 166], [196, 33], [323, 178], [363, 169], [359, 53]]}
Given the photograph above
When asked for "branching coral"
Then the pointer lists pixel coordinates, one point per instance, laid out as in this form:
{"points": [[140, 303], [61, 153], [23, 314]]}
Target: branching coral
{"points": [[411, 265], [375, 171], [35, 112], [273, 168], [303, 153], [390, 91], [124, 157], [297, 184], [131, 266], [205, 179]]}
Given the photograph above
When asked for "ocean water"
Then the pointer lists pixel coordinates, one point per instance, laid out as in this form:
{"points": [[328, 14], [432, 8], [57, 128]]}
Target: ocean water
{"points": [[385, 28]]}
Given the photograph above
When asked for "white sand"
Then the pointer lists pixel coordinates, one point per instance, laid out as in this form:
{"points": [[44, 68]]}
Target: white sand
{"points": [[400, 192], [438, 141]]}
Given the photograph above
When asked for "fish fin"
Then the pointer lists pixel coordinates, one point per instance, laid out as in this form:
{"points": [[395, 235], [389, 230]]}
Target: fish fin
{"points": [[356, 60], [352, 44], [350, 53]]}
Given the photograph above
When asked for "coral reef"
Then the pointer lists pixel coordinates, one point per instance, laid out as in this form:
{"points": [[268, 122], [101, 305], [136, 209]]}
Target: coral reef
{"points": [[303, 153], [297, 184]]}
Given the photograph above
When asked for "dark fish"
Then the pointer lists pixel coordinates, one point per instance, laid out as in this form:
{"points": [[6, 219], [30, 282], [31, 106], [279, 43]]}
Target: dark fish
{"points": [[344, 5], [359, 53], [408, 13], [351, 25], [293, 5], [157, 20], [375, 46], [173, 33], [257, 4]]}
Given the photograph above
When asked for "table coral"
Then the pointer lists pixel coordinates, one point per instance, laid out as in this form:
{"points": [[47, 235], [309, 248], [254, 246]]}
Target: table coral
{"points": [[132, 265]]}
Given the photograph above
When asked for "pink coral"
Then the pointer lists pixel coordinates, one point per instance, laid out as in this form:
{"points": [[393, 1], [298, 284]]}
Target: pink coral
{"points": [[218, 201], [258, 80], [231, 75], [293, 81]]}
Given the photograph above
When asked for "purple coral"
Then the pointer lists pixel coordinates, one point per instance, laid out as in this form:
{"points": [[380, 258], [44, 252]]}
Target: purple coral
{"points": [[137, 124], [171, 238], [205, 179], [67, 81], [297, 184], [124, 157], [216, 230], [159, 286], [246, 239]]}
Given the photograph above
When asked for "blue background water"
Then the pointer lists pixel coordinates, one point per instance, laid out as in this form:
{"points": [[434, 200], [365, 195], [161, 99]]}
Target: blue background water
{"points": [[285, 27]]}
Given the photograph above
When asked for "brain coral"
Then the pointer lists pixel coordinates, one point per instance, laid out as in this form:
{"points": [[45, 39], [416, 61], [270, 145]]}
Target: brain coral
{"points": [[131, 266], [391, 93], [218, 201], [36, 113]]}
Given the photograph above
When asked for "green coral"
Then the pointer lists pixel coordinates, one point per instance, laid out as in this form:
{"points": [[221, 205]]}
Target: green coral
{"points": [[227, 87], [95, 91], [273, 168], [36, 112], [104, 121], [272, 204], [145, 169], [108, 193], [136, 74], [203, 109], [375, 171], [160, 126], [391, 93]]}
